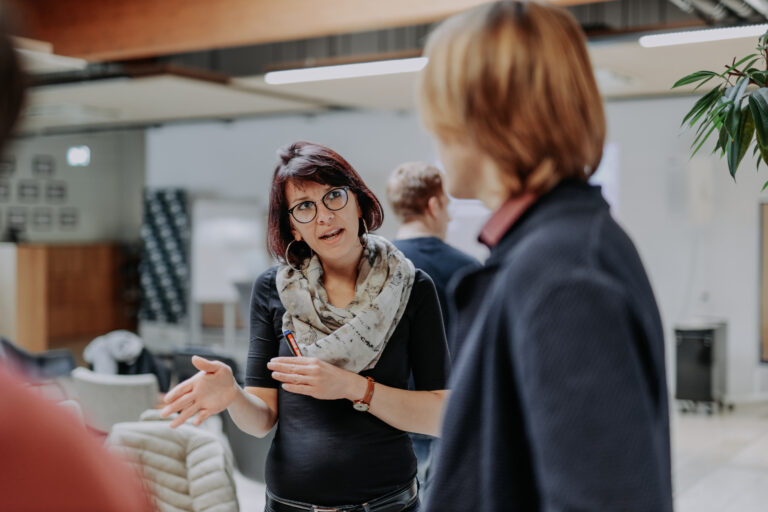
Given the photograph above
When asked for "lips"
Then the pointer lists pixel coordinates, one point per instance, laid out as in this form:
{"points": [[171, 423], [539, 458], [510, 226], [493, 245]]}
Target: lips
{"points": [[332, 234]]}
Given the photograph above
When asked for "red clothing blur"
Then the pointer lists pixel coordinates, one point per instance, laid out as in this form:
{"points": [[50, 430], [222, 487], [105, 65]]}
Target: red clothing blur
{"points": [[50, 462]]}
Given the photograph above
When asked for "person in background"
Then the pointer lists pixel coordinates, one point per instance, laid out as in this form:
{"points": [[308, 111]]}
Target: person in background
{"points": [[416, 195], [364, 320], [49, 461], [559, 397]]}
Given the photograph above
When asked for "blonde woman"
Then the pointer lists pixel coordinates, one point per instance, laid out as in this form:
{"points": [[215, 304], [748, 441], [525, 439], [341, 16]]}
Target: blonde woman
{"points": [[559, 399]]}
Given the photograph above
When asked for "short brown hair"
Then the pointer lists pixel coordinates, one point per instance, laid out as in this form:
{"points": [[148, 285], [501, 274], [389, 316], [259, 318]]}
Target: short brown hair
{"points": [[411, 186], [515, 80], [305, 161]]}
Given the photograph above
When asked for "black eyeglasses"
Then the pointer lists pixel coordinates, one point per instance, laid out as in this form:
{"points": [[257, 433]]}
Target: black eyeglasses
{"points": [[334, 199]]}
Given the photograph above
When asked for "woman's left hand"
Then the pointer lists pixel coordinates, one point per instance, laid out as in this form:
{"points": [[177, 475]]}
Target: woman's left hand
{"points": [[312, 377]]}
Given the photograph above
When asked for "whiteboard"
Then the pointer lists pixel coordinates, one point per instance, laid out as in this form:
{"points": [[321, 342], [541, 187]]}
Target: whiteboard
{"points": [[228, 245]]}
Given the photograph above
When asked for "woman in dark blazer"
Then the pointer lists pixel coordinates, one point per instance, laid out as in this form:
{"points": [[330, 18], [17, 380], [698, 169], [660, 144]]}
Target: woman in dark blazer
{"points": [[559, 399]]}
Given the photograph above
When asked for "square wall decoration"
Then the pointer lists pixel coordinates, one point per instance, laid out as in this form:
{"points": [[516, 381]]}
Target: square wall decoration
{"points": [[28, 191], [43, 166], [7, 166], [17, 217], [56, 192], [68, 218], [42, 218], [5, 191]]}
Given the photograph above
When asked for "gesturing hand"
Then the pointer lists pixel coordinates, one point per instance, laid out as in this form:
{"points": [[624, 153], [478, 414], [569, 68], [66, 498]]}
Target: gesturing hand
{"points": [[210, 391], [318, 379]]}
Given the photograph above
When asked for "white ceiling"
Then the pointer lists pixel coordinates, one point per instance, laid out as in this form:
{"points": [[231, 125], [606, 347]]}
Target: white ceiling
{"points": [[624, 69], [125, 101]]}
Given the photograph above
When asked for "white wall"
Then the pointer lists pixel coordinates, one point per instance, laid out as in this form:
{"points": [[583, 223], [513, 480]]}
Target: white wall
{"points": [[237, 159], [701, 252], [697, 231], [107, 193]]}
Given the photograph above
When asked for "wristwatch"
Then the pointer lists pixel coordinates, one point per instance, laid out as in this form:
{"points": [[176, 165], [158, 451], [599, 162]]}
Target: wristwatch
{"points": [[364, 404]]}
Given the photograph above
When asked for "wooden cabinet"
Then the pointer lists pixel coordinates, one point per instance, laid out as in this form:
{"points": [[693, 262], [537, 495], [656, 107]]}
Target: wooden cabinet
{"points": [[66, 292]]}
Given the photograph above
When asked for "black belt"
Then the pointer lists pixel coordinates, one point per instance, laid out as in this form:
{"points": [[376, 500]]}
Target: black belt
{"points": [[392, 502]]}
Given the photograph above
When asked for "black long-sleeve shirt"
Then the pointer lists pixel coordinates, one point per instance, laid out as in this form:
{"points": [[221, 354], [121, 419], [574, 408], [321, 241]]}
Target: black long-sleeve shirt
{"points": [[324, 452]]}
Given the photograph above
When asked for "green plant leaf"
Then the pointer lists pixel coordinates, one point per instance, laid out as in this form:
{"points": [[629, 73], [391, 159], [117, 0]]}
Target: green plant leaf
{"points": [[758, 105], [695, 77], [703, 104], [737, 146], [735, 94], [758, 76], [737, 64], [703, 140], [764, 186]]}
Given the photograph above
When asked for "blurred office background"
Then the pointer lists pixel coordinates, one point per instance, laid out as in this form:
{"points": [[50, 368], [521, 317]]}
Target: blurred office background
{"points": [[134, 195]]}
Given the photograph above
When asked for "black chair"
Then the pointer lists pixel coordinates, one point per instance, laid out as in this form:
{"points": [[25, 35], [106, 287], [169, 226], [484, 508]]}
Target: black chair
{"points": [[184, 369], [45, 365]]}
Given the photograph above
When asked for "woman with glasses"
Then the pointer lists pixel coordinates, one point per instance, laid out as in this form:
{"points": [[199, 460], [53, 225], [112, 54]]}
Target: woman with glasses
{"points": [[363, 320]]}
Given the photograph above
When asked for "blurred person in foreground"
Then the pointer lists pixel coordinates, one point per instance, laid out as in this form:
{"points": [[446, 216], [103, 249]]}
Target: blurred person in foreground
{"points": [[49, 461], [559, 399], [417, 197]]}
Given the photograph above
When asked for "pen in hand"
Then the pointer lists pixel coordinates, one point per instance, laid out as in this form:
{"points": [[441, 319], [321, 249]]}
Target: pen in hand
{"points": [[292, 343]]}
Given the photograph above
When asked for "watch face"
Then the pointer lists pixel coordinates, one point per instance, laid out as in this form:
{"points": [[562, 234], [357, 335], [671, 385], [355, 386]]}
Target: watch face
{"points": [[360, 406]]}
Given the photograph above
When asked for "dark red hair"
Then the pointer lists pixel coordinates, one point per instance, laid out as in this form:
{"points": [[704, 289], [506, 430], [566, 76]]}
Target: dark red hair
{"points": [[305, 161]]}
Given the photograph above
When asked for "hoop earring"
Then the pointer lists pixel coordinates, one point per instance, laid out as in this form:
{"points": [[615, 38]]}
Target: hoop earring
{"points": [[288, 259], [364, 236]]}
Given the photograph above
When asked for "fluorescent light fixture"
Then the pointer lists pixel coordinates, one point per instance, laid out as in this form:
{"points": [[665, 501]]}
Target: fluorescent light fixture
{"points": [[381, 67], [702, 36], [79, 156]]}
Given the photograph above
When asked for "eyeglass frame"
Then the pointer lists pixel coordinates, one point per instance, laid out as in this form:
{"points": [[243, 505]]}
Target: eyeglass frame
{"points": [[345, 188]]}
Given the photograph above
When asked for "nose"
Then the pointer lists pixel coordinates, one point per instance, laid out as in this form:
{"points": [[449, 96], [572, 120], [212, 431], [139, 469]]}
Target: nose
{"points": [[324, 215]]}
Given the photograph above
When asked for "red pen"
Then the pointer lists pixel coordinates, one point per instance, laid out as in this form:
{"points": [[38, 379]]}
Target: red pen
{"points": [[292, 343]]}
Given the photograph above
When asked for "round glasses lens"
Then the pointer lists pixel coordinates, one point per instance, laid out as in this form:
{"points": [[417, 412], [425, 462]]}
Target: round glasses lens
{"points": [[304, 212], [335, 199]]}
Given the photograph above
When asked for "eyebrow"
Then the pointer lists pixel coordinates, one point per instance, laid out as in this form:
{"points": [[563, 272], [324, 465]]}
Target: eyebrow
{"points": [[303, 198]]}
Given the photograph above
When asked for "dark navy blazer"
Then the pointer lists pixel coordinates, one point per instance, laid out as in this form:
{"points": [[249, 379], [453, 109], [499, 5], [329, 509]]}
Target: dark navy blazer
{"points": [[558, 394]]}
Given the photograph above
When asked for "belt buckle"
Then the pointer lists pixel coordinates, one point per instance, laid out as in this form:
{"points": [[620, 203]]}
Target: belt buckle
{"points": [[323, 509]]}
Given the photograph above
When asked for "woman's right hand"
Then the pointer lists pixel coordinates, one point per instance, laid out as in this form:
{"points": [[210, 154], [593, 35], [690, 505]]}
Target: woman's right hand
{"points": [[209, 392]]}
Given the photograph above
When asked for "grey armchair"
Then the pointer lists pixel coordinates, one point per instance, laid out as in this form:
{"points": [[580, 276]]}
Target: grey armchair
{"points": [[108, 399]]}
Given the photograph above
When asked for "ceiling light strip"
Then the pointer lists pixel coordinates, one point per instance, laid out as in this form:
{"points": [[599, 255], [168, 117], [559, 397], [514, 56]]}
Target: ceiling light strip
{"points": [[702, 36], [381, 67]]}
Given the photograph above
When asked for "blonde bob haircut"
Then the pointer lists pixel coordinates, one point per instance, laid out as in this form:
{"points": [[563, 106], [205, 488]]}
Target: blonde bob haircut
{"points": [[514, 79]]}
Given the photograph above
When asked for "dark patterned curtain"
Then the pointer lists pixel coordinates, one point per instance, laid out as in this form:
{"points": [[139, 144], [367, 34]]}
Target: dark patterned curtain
{"points": [[164, 265]]}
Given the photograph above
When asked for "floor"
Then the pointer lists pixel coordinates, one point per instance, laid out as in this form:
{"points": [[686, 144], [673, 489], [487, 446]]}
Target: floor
{"points": [[720, 463]]}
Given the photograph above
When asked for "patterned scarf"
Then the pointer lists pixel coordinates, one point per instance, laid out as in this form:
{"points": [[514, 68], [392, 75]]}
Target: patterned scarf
{"points": [[355, 336]]}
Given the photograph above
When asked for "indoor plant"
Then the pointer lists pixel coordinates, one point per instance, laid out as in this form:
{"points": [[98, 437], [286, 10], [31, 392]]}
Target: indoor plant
{"points": [[736, 109]]}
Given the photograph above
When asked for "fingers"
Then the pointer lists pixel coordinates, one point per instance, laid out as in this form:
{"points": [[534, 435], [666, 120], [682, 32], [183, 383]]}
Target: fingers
{"points": [[298, 389], [181, 403], [289, 367], [295, 360], [185, 415], [206, 365], [178, 390], [201, 417], [292, 378]]}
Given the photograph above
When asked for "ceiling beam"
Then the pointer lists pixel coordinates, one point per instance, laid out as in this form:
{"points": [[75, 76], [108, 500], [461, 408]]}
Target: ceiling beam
{"points": [[102, 30]]}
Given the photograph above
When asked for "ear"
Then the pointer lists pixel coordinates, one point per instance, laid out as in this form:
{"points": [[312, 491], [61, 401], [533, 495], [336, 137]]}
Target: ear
{"points": [[295, 233], [433, 206]]}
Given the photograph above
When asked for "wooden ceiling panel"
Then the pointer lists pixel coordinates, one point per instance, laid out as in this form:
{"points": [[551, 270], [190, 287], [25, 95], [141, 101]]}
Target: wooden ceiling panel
{"points": [[100, 30]]}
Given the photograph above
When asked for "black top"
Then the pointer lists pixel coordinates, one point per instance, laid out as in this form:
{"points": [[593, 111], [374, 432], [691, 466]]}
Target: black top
{"points": [[440, 261], [559, 396], [324, 452]]}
